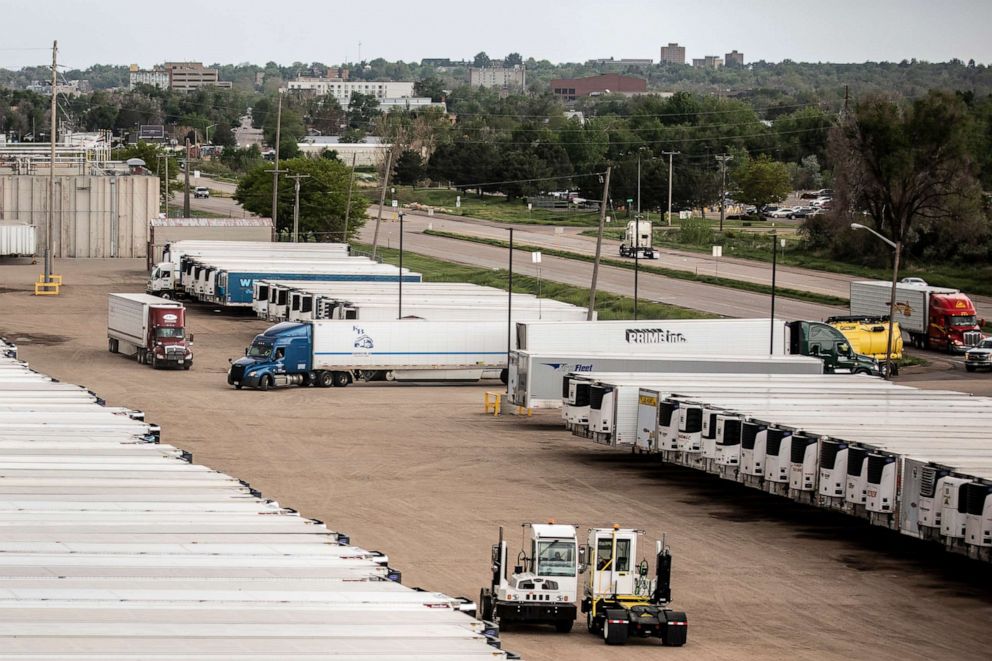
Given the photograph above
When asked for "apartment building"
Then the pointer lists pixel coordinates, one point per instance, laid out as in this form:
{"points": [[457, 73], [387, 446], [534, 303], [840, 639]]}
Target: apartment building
{"points": [[673, 54]]}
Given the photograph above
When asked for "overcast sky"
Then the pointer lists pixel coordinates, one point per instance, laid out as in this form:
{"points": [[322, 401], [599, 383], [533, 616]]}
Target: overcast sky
{"points": [[146, 33]]}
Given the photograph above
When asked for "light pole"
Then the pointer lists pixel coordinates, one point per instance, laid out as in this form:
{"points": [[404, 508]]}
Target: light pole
{"points": [[206, 131], [897, 246], [296, 204], [771, 338], [723, 158], [401, 266], [639, 150], [670, 154]]}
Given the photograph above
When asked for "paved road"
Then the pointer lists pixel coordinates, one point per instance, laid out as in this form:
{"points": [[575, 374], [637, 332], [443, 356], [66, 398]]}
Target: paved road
{"points": [[697, 296], [570, 239]]}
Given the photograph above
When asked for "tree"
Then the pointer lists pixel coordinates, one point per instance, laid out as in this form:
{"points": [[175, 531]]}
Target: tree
{"points": [[409, 168], [223, 136], [513, 59], [432, 87], [362, 109], [481, 60], [762, 181], [352, 135], [905, 163], [291, 131], [323, 197]]}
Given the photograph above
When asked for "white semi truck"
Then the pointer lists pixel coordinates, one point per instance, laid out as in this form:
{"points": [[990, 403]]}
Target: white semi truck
{"points": [[637, 240]]}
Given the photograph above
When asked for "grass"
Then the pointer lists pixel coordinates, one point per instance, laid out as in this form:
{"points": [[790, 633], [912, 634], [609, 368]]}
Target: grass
{"points": [[609, 306], [490, 207], [975, 279], [647, 268]]}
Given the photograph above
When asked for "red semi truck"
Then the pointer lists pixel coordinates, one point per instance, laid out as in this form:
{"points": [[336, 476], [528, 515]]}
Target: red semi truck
{"points": [[149, 328], [934, 317]]}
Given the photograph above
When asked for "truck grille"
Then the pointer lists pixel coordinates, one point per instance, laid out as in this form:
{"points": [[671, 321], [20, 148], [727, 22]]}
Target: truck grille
{"points": [[237, 373], [972, 338]]}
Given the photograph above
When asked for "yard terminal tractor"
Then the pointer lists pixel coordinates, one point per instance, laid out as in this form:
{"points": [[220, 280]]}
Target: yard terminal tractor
{"points": [[619, 598]]}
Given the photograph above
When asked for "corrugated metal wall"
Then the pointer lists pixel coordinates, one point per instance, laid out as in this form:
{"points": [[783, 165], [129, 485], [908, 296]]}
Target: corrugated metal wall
{"points": [[95, 216]]}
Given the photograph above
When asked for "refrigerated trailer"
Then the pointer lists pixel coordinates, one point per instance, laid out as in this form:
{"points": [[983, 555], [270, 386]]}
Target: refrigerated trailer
{"points": [[934, 317], [335, 352], [17, 240], [164, 277], [150, 329]]}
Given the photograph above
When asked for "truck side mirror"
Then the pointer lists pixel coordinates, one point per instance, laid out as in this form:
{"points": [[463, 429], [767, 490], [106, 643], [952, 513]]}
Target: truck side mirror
{"points": [[191, 336], [246, 351], [583, 553]]}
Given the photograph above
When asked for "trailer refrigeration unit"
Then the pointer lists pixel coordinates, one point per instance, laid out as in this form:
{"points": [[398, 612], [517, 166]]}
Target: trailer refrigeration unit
{"points": [[151, 329], [329, 352], [542, 587], [934, 317]]}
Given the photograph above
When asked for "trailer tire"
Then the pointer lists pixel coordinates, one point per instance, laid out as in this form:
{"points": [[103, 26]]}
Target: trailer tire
{"points": [[615, 634], [325, 379], [340, 379], [112, 345], [564, 626]]}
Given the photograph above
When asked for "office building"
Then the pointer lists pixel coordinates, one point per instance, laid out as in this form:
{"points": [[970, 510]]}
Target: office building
{"points": [[673, 54]]}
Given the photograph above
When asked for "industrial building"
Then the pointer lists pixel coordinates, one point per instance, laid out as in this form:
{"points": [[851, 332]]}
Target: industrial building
{"points": [[342, 89], [102, 208], [570, 89]]}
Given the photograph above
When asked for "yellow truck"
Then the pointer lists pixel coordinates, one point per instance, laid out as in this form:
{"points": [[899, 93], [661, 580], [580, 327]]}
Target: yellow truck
{"points": [[869, 335]]}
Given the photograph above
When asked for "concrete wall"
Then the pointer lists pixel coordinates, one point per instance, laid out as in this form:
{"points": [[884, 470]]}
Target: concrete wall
{"points": [[95, 216]]}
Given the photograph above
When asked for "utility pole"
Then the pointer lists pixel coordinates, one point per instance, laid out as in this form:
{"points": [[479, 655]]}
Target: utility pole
{"points": [[296, 204], [771, 338], [723, 158], [509, 305], [49, 244], [670, 154], [186, 211], [275, 170], [599, 244], [347, 211], [382, 200], [401, 269]]}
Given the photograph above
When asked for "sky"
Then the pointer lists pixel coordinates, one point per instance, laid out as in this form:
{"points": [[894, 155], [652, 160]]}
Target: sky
{"points": [[329, 31]]}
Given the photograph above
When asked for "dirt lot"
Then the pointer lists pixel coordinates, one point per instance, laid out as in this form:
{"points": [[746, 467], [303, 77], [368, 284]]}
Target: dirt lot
{"points": [[419, 472]]}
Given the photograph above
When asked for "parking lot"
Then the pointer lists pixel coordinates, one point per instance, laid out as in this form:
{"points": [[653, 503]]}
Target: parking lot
{"points": [[420, 473]]}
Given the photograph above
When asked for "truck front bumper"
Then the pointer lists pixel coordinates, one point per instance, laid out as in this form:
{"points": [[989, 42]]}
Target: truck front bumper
{"points": [[535, 613]]}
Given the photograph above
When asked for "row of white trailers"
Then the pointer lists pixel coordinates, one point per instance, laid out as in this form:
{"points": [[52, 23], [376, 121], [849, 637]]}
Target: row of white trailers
{"points": [[113, 545], [294, 300], [912, 460]]}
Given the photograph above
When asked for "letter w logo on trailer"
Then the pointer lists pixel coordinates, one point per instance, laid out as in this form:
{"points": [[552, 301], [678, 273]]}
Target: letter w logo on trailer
{"points": [[246, 282]]}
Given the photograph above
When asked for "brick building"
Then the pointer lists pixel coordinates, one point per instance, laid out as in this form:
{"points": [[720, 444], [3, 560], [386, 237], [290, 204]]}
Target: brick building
{"points": [[569, 89], [673, 54]]}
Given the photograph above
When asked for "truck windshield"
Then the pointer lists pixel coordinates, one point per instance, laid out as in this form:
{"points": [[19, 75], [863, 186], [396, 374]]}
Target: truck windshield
{"points": [[259, 350], [556, 558], [962, 320], [169, 332]]}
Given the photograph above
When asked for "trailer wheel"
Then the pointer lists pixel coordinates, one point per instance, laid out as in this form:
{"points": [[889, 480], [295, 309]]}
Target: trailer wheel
{"points": [[340, 379], [615, 632], [112, 345], [325, 379], [564, 626]]}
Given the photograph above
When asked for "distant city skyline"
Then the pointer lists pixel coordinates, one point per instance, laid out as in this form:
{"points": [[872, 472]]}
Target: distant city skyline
{"points": [[118, 32]]}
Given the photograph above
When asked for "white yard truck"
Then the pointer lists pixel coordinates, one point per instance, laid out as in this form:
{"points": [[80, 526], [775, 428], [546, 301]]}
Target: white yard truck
{"points": [[542, 587]]}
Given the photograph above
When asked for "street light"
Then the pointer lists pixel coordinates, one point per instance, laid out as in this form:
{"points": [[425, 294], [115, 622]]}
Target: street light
{"points": [[207, 132], [897, 246], [401, 266]]}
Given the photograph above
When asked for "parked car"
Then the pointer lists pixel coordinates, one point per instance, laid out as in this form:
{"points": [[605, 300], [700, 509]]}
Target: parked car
{"points": [[820, 201], [201, 191], [979, 357], [804, 212], [914, 281], [784, 212]]}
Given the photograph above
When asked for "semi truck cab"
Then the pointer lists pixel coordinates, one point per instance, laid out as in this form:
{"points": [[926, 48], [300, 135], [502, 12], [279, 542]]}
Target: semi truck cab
{"points": [[162, 281], [823, 341], [953, 323], [280, 356]]}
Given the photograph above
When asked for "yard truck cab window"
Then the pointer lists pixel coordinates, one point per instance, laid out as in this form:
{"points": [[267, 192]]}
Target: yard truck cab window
{"points": [[556, 557]]}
